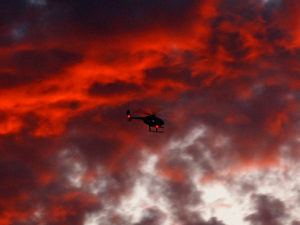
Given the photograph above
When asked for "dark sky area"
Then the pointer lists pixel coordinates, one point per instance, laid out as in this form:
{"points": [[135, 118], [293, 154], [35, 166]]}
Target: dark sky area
{"points": [[223, 74]]}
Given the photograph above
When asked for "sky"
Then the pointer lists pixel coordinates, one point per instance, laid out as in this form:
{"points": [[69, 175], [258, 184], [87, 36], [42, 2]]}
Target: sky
{"points": [[223, 74]]}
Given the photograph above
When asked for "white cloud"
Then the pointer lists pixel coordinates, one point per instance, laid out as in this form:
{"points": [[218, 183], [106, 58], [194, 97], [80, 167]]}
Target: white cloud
{"points": [[76, 174], [143, 196], [189, 139], [73, 166], [222, 196]]}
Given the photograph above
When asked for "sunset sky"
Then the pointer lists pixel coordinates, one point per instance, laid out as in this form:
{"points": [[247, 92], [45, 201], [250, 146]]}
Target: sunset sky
{"points": [[223, 74]]}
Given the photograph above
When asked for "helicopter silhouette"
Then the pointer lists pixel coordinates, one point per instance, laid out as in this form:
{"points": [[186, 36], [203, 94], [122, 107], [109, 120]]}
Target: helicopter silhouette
{"points": [[151, 120]]}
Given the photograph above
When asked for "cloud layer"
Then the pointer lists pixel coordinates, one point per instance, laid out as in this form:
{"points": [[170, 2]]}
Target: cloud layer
{"points": [[224, 75]]}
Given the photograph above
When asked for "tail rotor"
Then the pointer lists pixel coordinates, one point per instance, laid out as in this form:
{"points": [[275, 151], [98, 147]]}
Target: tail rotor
{"points": [[128, 115]]}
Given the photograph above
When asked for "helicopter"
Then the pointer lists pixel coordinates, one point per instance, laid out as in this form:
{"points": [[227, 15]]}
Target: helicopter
{"points": [[151, 120]]}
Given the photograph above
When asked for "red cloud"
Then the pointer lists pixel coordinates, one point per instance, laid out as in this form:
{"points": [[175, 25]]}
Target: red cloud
{"points": [[65, 84]]}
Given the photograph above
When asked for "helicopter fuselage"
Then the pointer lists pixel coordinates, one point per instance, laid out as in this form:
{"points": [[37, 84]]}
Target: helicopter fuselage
{"points": [[151, 120]]}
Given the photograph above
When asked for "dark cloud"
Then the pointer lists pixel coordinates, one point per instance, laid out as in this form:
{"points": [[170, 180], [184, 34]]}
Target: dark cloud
{"points": [[157, 74], [33, 179], [45, 61], [102, 17], [232, 42], [14, 174], [35, 66], [25, 146], [5, 40], [171, 74], [95, 147], [151, 217], [212, 221], [182, 194], [231, 66], [12, 11], [268, 210], [111, 89], [67, 104], [73, 210]]}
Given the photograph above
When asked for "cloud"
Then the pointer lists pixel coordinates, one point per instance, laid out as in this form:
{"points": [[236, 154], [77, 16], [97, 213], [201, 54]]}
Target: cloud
{"points": [[223, 75], [39, 3], [268, 211], [33, 66], [122, 16], [117, 88]]}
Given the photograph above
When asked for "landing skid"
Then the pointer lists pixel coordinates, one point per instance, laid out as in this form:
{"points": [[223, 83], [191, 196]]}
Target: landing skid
{"points": [[156, 130]]}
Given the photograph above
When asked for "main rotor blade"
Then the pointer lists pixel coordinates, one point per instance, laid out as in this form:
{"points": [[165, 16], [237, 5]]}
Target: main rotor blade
{"points": [[150, 110]]}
